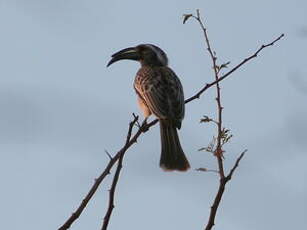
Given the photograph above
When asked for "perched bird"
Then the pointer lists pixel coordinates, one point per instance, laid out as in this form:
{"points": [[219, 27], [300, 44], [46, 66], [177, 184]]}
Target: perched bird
{"points": [[160, 93]]}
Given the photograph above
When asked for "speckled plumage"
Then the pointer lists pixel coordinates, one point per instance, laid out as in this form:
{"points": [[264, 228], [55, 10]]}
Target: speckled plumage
{"points": [[161, 91]]}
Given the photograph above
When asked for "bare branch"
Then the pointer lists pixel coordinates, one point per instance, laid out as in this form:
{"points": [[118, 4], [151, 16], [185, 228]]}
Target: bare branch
{"points": [[108, 214], [216, 204], [221, 189], [75, 215], [221, 132], [218, 151], [228, 177], [208, 85], [106, 171]]}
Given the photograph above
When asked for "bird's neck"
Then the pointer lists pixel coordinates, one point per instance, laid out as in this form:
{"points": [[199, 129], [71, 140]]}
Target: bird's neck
{"points": [[151, 64]]}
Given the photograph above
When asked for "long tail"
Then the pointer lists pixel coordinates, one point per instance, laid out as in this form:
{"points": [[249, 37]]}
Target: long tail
{"points": [[172, 155]]}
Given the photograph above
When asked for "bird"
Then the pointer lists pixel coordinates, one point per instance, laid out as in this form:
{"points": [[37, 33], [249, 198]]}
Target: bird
{"points": [[159, 92]]}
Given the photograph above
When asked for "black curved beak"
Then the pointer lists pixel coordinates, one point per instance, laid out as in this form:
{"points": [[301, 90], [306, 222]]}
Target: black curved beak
{"points": [[128, 53]]}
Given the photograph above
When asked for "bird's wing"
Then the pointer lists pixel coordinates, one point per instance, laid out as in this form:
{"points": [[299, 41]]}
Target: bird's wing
{"points": [[162, 92]]}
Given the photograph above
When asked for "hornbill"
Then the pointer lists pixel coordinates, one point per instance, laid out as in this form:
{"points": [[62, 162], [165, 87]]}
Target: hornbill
{"points": [[159, 92]]}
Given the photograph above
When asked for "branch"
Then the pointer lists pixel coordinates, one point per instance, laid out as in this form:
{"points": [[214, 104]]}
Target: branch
{"points": [[235, 166], [220, 193], [218, 152], [254, 55], [75, 215], [144, 128], [108, 214]]}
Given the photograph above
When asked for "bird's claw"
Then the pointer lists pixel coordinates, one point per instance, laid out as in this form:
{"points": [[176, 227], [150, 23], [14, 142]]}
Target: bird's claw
{"points": [[144, 125]]}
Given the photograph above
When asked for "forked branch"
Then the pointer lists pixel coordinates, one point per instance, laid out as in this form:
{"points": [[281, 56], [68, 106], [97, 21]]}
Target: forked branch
{"points": [[108, 214], [245, 60], [218, 151]]}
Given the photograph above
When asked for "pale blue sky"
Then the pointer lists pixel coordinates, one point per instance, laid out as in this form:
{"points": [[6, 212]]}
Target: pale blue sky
{"points": [[61, 108]]}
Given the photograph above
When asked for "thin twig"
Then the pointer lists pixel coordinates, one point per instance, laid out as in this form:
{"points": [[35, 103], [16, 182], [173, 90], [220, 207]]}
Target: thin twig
{"points": [[75, 215], [218, 150], [254, 55], [108, 214], [235, 166], [142, 129], [220, 193]]}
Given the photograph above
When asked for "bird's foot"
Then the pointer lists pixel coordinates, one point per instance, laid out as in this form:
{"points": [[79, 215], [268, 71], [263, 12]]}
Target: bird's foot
{"points": [[144, 125]]}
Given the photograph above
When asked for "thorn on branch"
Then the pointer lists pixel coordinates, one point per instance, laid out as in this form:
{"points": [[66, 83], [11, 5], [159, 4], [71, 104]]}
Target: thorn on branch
{"points": [[225, 65], [108, 154]]}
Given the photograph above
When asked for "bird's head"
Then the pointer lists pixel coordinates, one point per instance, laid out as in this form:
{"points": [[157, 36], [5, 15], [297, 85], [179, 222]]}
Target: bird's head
{"points": [[146, 54]]}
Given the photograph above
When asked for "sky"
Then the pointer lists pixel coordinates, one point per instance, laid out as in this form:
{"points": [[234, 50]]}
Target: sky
{"points": [[61, 108]]}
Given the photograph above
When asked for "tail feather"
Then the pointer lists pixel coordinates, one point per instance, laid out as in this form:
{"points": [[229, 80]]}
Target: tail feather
{"points": [[172, 155]]}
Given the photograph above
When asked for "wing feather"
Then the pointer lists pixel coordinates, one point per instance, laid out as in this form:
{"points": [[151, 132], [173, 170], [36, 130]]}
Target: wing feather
{"points": [[161, 91]]}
